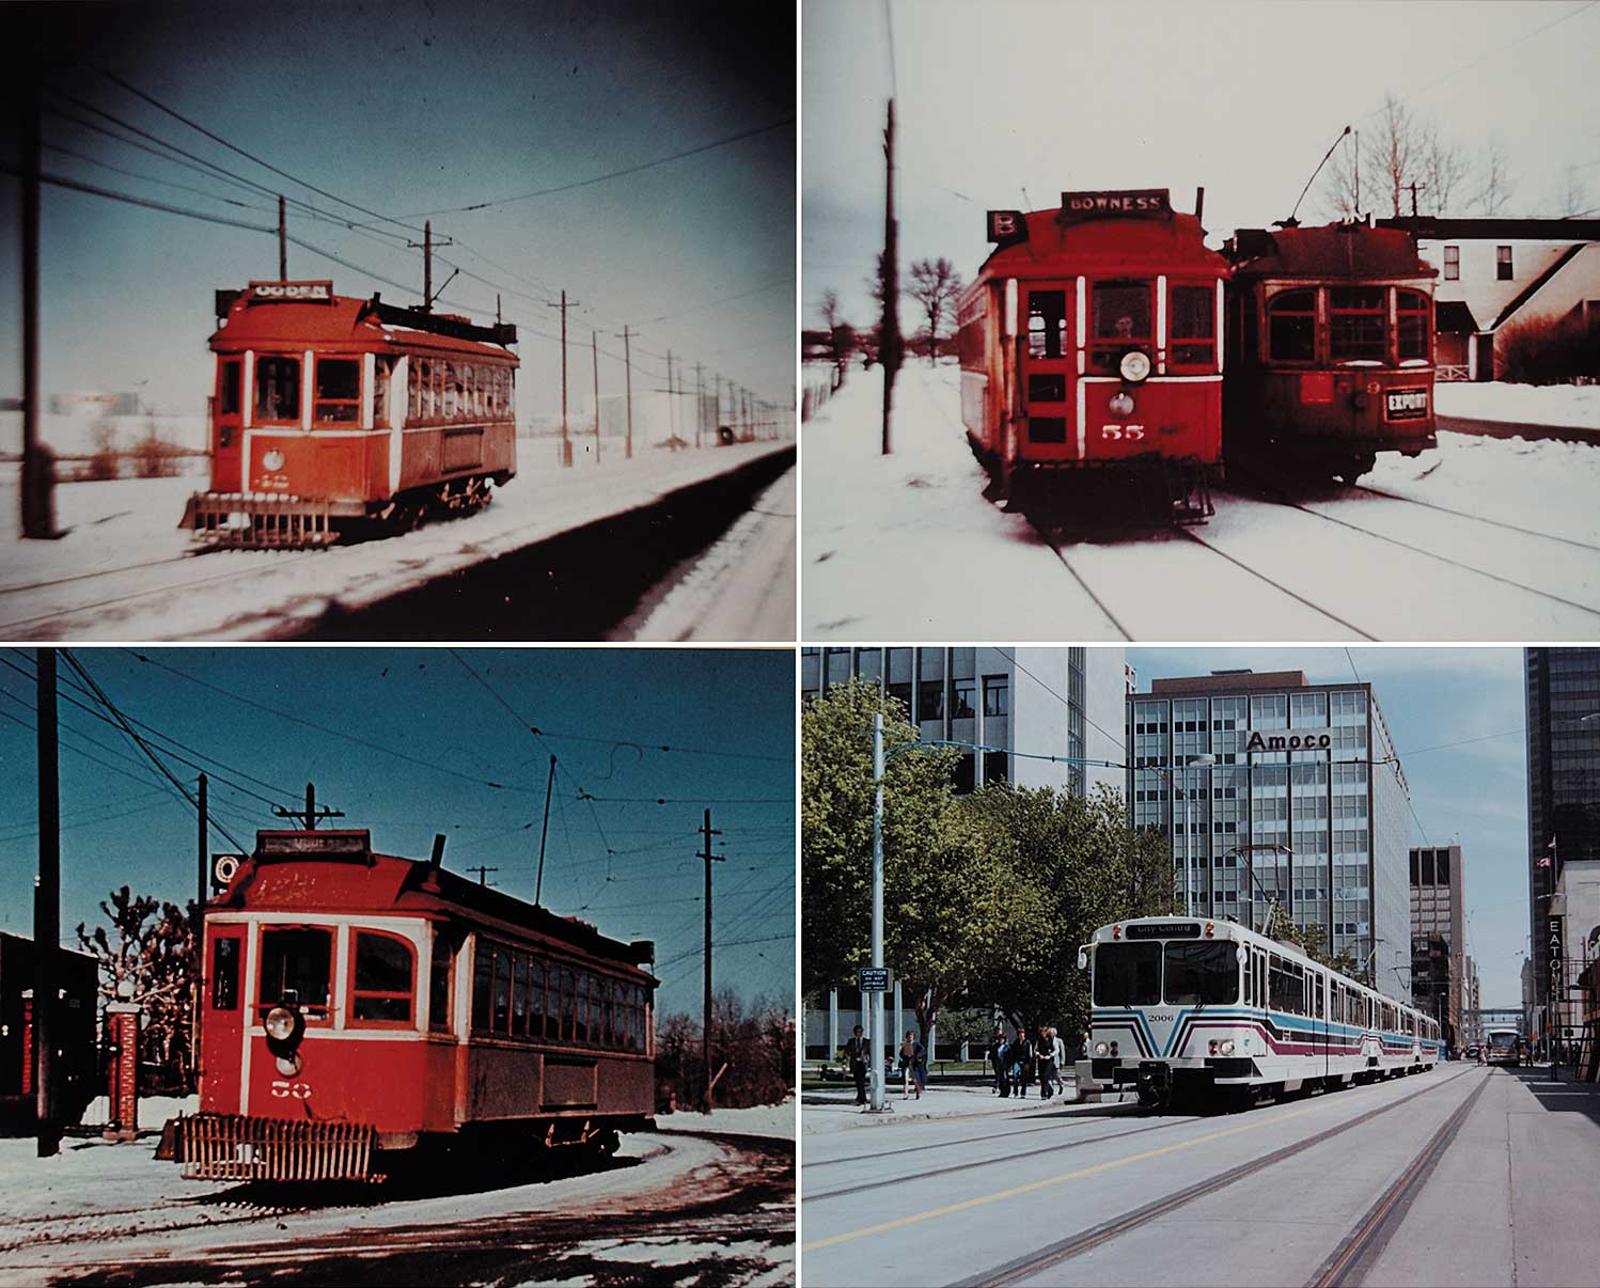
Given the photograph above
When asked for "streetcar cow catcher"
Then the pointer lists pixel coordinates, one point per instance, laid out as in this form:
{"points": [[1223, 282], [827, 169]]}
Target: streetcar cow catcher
{"points": [[1211, 1010], [360, 1009], [334, 414]]}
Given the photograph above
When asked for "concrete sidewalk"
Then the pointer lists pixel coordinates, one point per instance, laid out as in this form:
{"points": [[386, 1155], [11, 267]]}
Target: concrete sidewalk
{"points": [[830, 1110]]}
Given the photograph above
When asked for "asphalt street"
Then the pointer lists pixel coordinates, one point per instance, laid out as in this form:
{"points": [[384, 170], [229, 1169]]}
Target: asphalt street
{"points": [[1462, 1175]]}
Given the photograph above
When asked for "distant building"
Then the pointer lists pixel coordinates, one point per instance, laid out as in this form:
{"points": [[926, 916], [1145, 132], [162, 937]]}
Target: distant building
{"points": [[1496, 271], [1438, 937], [1576, 907], [1273, 788], [1563, 723], [75, 1020]]}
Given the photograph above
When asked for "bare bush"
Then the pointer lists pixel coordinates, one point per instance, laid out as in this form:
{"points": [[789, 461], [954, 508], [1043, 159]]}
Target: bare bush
{"points": [[1550, 350], [104, 462], [753, 1046], [155, 457]]}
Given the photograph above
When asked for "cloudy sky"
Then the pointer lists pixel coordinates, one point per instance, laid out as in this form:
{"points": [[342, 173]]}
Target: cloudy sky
{"points": [[410, 743], [407, 108], [1244, 98], [1457, 718]]}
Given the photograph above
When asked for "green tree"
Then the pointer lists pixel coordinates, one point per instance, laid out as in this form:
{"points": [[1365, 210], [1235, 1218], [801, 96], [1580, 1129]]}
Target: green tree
{"points": [[1313, 942], [1066, 865], [939, 884]]}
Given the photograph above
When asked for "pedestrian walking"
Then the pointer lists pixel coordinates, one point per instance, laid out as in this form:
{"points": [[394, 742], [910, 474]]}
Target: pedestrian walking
{"points": [[1019, 1056], [856, 1054], [1052, 1055], [919, 1067], [997, 1060], [908, 1061]]}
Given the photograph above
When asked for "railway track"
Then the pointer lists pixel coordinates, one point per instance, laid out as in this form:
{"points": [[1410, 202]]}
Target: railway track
{"points": [[1353, 1252]]}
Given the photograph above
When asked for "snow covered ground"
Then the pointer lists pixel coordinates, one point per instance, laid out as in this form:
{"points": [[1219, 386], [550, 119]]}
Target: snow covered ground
{"points": [[757, 1120], [1484, 539], [125, 571], [1573, 405]]}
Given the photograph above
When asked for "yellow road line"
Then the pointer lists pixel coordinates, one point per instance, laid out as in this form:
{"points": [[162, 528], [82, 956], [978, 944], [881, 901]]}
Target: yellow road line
{"points": [[948, 1209]]}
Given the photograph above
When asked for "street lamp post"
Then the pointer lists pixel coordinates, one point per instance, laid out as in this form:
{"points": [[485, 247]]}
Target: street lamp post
{"points": [[876, 1009]]}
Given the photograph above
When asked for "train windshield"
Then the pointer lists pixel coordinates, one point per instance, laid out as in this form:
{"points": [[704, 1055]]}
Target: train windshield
{"points": [[1503, 1041], [295, 967], [1202, 974], [1127, 974]]}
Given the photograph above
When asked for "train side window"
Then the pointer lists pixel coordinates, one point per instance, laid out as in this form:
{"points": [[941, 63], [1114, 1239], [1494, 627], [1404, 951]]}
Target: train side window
{"points": [[225, 974], [568, 1005], [1358, 323], [295, 966], [482, 986], [1047, 324], [1194, 326], [382, 980], [519, 994], [440, 1019], [511, 394], [1292, 327], [536, 997], [451, 379], [338, 400], [382, 367], [500, 1018], [1411, 315], [228, 392], [277, 390]]}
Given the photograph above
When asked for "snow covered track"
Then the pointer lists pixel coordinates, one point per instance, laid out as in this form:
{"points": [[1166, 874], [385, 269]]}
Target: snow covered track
{"points": [[1456, 544], [683, 1207]]}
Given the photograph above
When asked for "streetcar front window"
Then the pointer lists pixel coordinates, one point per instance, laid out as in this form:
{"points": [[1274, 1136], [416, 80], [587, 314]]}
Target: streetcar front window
{"points": [[338, 391], [1358, 323], [295, 967], [1120, 321], [1194, 326], [1292, 327], [1411, 316], [1202, 974], [1127, 974], [382, 987], [277, 390]]}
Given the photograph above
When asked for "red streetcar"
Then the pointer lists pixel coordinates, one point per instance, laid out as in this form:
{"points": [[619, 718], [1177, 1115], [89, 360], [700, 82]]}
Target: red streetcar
{"points": [[1091, 343], [331, 411], [1331, 338], [358, 1006]]}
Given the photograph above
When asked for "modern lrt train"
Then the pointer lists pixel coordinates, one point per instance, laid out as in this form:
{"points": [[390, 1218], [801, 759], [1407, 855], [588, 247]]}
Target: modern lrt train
{"points": [[1209, 1010]]}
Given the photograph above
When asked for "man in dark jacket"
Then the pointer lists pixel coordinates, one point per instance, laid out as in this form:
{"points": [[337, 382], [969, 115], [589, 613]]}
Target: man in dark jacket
{"points": [[857, 1051], [997, 1060]]}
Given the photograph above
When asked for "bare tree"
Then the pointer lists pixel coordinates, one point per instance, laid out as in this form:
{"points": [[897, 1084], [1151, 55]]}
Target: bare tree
{"points": [[1496, 180], [934, 285], [830, 308], [1396, 152], [1572, 197], [1442, 167]]}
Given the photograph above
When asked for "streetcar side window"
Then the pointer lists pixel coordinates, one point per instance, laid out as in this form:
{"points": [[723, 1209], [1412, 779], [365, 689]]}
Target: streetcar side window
{"points": [[277, 390], [1411, 314], [338, 400], [228, 388], [1047, 324], [482, 985], [1127, 974], [519, 994], [382, 368], [1292, 327], [501, 1016], [440, 1019], [225, 974], [447, 408], [1286, 987], [382, 980], [1194, 326], [1358, 318], [536, 1008], [295, 966]]}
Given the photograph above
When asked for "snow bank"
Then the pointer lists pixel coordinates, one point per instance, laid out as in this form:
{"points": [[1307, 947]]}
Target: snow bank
{"points": [[153, 1110], [1572, 405], [757, 1120]]}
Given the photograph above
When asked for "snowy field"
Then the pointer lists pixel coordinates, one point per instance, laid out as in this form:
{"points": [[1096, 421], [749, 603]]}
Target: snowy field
{"points": [[1577, 406], [126, 571], [1485, 539]]}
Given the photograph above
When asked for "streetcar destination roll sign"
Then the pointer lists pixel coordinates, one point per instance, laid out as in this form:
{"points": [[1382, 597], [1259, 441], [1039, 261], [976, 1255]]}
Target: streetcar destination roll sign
{"points": [[1163, 930], [1137, 203]]}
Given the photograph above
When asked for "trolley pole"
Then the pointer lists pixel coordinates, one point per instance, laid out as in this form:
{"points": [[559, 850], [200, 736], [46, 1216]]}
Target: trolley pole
{"points": [[876, 1008], [38, 469], [544, 834], [627, 374], [566, 441], [594, 350], [283, 243], [47, 906], [707, 833]]}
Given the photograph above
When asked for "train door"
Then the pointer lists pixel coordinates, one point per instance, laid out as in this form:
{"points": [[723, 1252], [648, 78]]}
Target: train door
{"points": [[223, 1025], [1044, 378], [227, 429]]}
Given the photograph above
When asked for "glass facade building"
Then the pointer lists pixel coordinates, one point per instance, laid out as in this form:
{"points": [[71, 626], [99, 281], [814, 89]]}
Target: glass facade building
{"points": [[1275, 789], [1563, 723], [1438, 936]]}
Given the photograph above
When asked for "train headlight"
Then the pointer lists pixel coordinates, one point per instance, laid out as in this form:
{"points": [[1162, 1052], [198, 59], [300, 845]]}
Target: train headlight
{"points": [[1121, 403], [289, 1065], [1225, 1046], [272, 460], [1135, 366], [281, 1023], [1100, 1048]]}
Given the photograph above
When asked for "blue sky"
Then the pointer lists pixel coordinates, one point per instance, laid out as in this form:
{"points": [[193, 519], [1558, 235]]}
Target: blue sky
{"points": [[406, 108], [620, 861], [1457, 718]]}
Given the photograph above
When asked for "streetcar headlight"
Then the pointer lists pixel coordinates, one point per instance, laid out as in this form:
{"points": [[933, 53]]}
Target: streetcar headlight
{"points": [[1121, 403], [1100, 1048], [272, 460], [1135, 366], [1225, 1046], [280, 1023], [289, 1065]]}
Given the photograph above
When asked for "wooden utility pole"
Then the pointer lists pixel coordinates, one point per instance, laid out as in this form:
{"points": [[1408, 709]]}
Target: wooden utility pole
{"points": [[544, 835], [889, 331], [716, 383], [483, 873], [594, 349], [202, 848], [699, 402], [709, 858], [566, 440], [426, 246], [38, 468], [47, 906], [313, 813], [283, 243], [202, 866], [672, 402], [627, 368]]}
